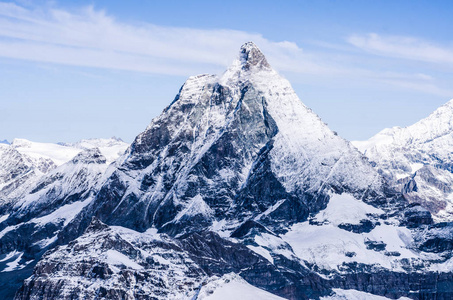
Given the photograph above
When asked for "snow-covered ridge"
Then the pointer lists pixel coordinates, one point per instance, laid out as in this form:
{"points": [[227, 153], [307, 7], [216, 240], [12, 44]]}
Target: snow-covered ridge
{"points": [[57, 153], [418, 160], [63, 152], [23, 162], [436, 125]]}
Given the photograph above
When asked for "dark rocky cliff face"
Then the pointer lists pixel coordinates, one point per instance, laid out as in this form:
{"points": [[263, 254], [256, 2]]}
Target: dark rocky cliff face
{"points": [[238, 176]]}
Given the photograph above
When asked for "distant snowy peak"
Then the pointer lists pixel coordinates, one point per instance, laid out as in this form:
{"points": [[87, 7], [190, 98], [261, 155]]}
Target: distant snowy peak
{"points": [[57, 153], [4, 142], [418, 160], [98, 142], [436, 125], [110, 148], [63, 152]]}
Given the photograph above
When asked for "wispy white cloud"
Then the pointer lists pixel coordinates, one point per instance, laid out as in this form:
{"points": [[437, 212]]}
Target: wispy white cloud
{"points": [[92, 38], [403, 47]]}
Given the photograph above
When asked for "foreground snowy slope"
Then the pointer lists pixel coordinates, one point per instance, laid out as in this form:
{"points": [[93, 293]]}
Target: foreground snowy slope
{"points": [[238, 178], [418, 160], [232, 286]]}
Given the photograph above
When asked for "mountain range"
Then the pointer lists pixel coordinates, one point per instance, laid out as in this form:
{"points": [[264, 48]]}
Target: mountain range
{"points": [[236, 190]]}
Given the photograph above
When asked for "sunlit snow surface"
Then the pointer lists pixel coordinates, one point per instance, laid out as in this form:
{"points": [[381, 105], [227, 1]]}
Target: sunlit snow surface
{"points": [[329, 247], [345, 208], [340, 294], [230, 287]]}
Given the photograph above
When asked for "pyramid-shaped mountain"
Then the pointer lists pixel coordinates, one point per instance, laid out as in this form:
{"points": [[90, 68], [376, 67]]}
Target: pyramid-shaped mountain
{"points": [[231, 148]]}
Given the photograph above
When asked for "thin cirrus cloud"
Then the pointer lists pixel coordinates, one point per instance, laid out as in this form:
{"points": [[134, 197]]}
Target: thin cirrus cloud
{"points": [[403, 47], [91, 38]]}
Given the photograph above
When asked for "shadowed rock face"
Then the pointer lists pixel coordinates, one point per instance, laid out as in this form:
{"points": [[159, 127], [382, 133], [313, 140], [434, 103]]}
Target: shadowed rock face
{"points": [[153, 266], [237, 175]]}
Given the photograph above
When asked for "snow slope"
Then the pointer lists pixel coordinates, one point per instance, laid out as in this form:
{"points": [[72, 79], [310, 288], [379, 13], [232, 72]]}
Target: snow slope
{"points": [[340, 294], [231, 286]]}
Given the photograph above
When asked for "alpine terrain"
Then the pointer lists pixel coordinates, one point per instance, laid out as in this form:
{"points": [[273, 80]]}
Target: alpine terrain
{"points": [[236, 190], [418, 160]]}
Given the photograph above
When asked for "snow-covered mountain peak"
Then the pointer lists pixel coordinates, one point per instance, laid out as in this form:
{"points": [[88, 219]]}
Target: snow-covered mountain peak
{"points": [[406, 157], [110, 148], [21, 143], [220, 138], [251, 56], [249, 61], [437, 125]]}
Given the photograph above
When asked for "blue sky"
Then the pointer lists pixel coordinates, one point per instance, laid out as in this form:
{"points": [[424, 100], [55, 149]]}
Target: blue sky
{"points": [[82, 69]]}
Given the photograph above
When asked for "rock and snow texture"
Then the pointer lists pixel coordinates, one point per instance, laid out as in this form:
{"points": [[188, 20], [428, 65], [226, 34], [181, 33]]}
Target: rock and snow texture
{"points": [[230, 148], [50, 185], [23, 163], [350, 235], [235, 178], [114, 263], [418, 160]]}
